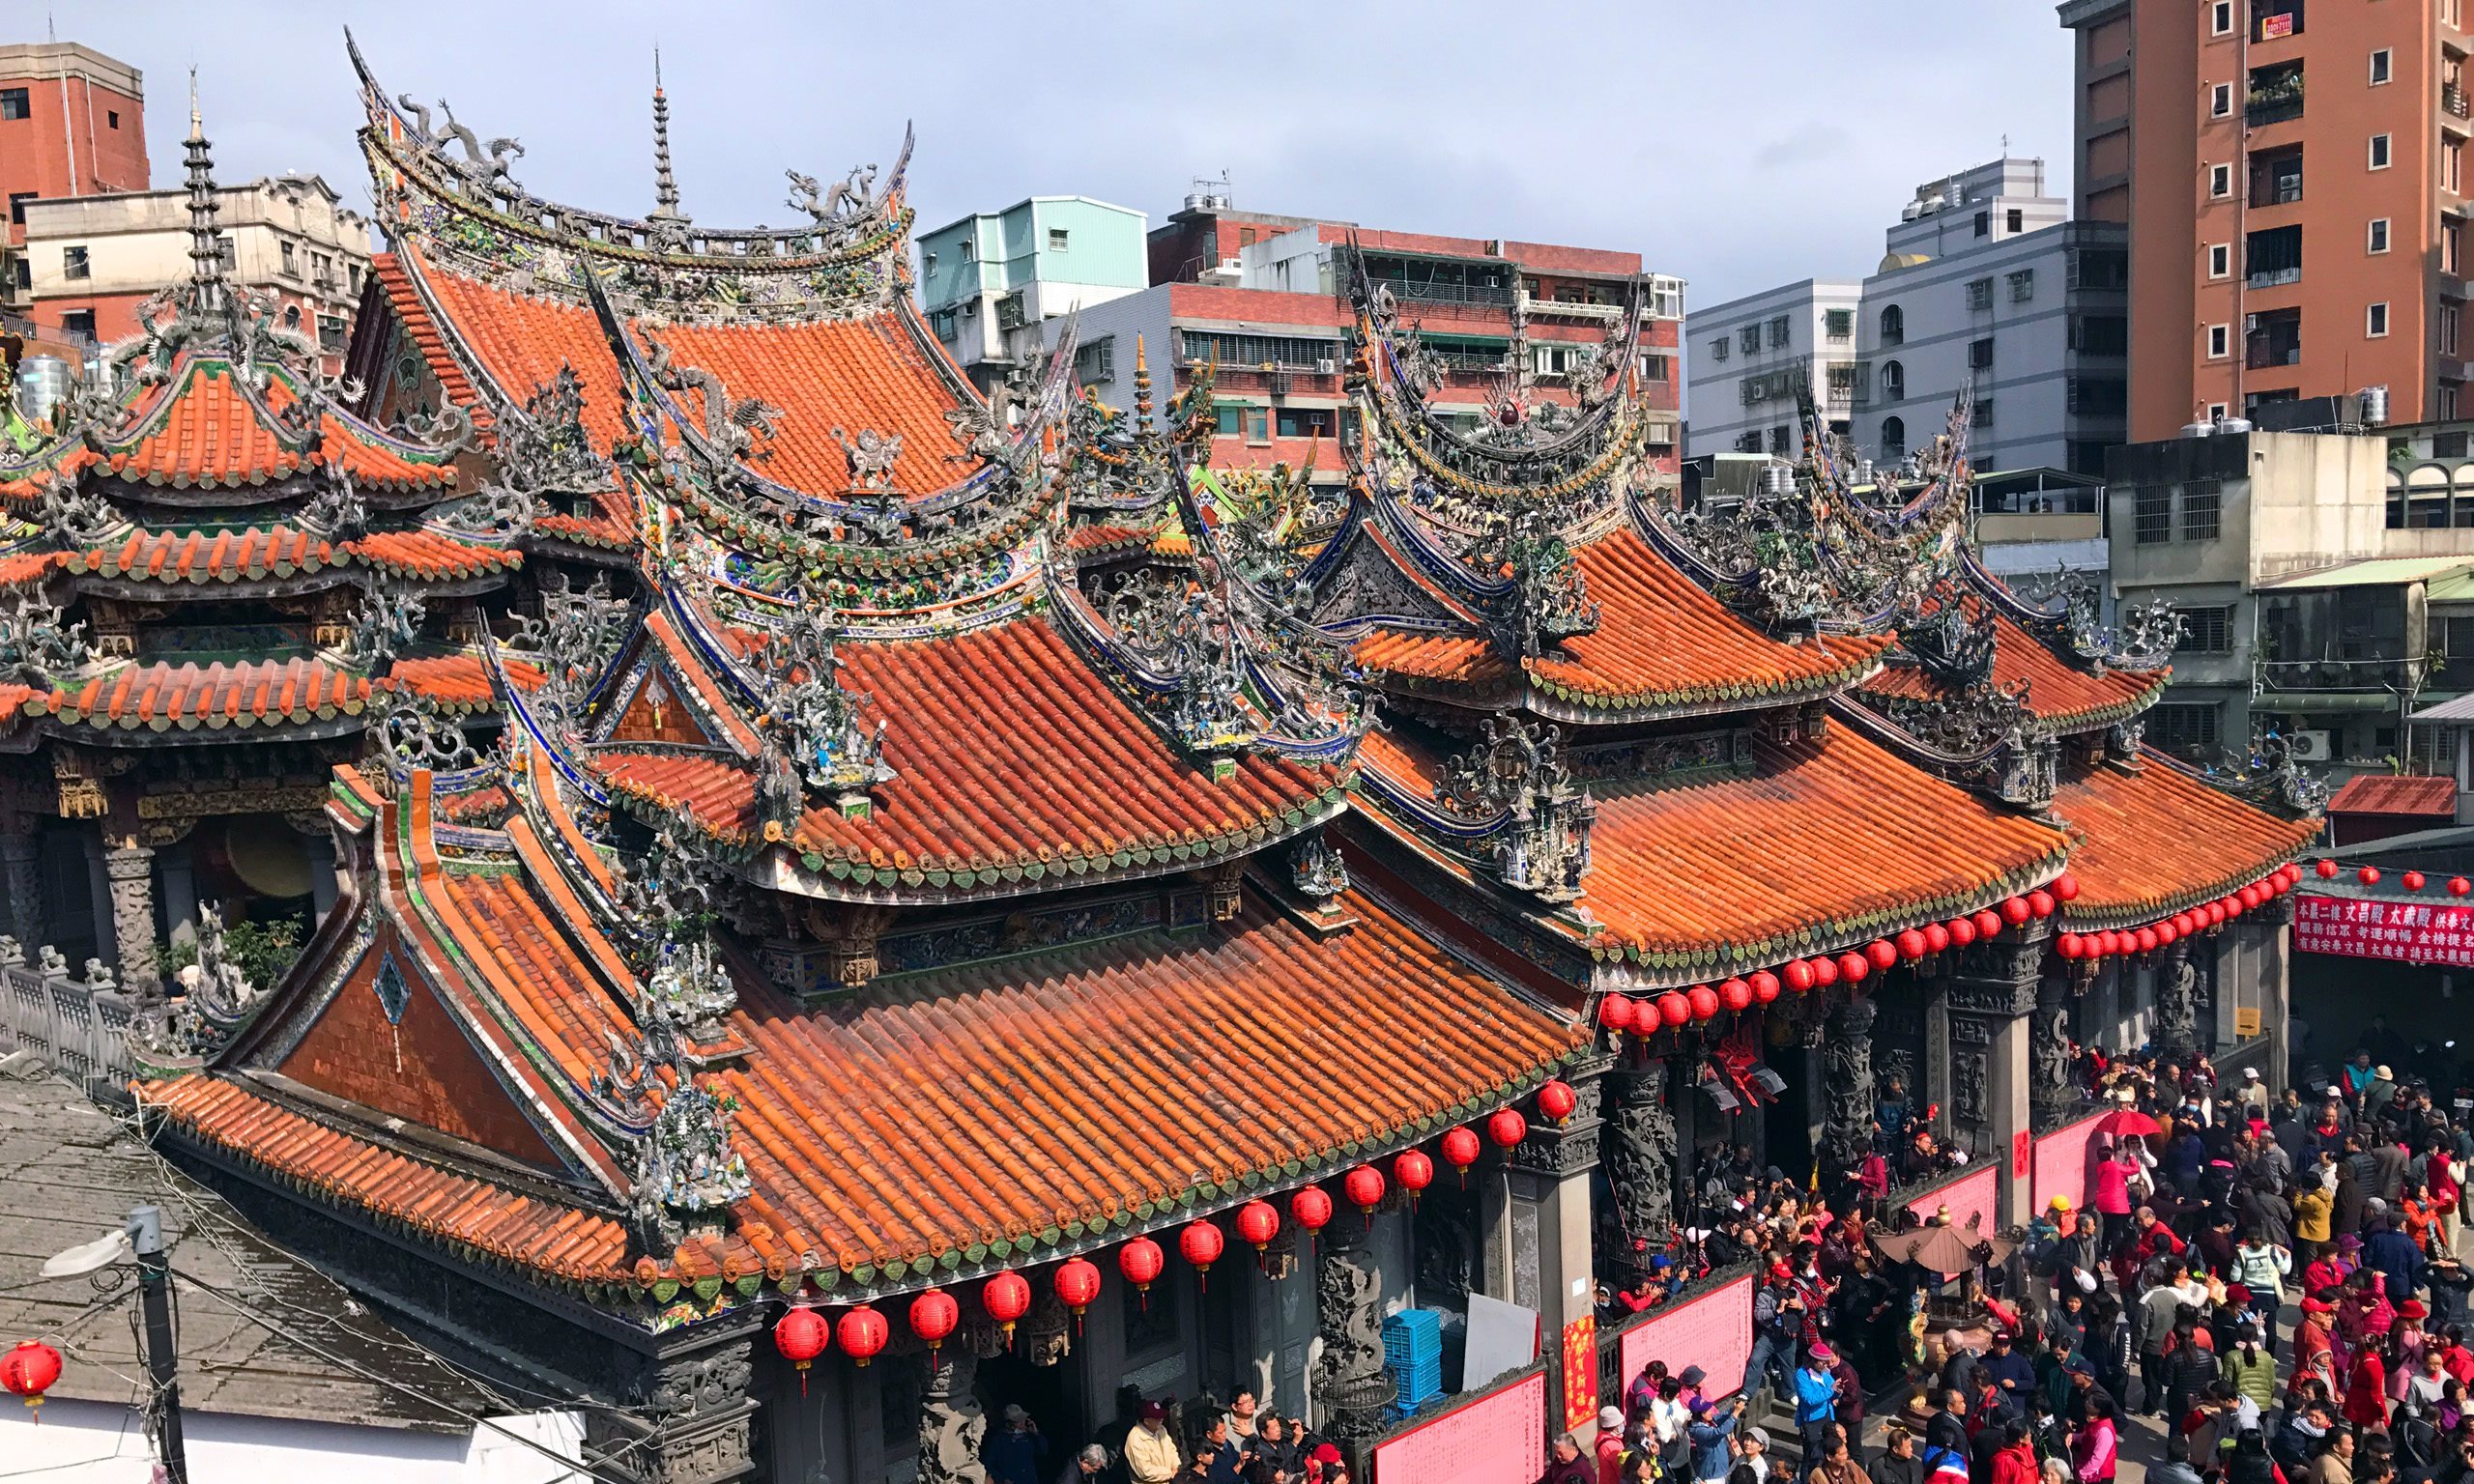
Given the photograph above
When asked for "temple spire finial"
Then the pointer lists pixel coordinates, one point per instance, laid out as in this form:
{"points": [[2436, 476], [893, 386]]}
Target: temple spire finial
{"points": [[1142, 386], [665, 186], [205, 238]]}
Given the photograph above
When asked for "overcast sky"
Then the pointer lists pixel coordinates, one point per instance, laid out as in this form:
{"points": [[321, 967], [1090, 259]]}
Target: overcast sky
{"points": [[1737, 143]]}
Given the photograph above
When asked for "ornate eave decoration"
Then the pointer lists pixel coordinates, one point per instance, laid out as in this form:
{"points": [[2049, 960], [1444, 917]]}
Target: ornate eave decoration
{"points": [[573, 640], [813, 733], [543, 453], [2063, 610], [37, 648], [434, 177], [1515, 786], [2270, 778], [1983, 739]]}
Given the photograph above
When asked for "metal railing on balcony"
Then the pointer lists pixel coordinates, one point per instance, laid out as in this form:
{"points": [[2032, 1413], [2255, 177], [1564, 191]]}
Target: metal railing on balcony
{"points": [[2270, 277], [2453, 101], [1534, 306], [2273, 104], [2260, 357], [1427, 292]]}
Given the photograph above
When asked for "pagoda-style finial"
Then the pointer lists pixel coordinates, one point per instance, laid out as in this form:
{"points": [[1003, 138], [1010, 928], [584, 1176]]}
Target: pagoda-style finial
{"points": [[665, 187], [1142, 387], [206, 240]]}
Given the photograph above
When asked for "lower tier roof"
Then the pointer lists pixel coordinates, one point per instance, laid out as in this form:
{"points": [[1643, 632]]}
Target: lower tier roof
{"points": [[2150, 843]]}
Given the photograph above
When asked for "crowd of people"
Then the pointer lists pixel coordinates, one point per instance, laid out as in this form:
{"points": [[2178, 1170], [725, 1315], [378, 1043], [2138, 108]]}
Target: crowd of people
{"points": [[1240, 1442], [2275, 1281]]}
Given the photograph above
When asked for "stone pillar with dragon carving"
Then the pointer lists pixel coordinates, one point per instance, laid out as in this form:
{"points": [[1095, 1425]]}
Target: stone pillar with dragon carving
{"points": [[2054, 1093], [1352, 1383], [22, 860], [1847, 1081], [130, 871], [1990, 1010], [689, 1418], [1643, 1166]]}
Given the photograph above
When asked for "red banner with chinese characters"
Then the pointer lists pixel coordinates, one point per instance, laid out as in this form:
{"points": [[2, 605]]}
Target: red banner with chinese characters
{"points": [[2272, 27], [1580, 1372], [1977, 1195], [2409, 932], [1714, 1332], [1495, 1438]]}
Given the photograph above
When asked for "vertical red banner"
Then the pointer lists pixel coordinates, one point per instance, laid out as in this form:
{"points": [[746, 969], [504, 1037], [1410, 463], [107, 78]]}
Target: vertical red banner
{"points": [[1580, 1372], [2023, 1153]]}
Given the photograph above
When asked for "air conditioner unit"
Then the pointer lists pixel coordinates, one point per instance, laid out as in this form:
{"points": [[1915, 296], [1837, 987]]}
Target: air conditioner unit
{"points": [[1327, 367], [2311, 746]]}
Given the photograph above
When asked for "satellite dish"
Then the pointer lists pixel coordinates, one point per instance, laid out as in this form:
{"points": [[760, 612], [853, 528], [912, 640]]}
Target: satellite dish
{"points": [[102, 1252]]}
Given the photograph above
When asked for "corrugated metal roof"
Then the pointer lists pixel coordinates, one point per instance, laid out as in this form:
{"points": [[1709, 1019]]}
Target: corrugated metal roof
{"points": [[2377, 572], [2381, 793]]}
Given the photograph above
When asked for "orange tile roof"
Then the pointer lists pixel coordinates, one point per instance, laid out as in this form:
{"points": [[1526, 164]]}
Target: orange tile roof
{"points": [[1458, 659], [1665, 643], [17, 569], [65, 462], [612, 526], [162, 696], [399, 1190], [1827, 844], [2059, 694], [430, 556], [459, 680], [415, 319], [1008, 751], [2385, 793], [2151, 842], [865, 373], [206, 556], [205, 433]]}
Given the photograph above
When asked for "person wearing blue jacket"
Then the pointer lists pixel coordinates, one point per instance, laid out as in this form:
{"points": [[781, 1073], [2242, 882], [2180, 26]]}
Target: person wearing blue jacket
{"points": [[1711, 1430], [1816, 1389]]}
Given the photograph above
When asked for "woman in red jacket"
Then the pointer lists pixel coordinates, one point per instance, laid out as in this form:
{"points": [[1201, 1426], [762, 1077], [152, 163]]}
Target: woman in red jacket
{"points": [[2016, 1461], [2367, 1391]]}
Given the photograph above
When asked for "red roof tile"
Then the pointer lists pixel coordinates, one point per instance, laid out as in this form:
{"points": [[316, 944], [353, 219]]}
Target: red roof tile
{"points": [[162, 696], [1453, 658], [430, 556], [2154, 842], [1827, 843], [65, 463], [415, 319], [1008, 750], [2060, 694], [611, 527], [206, 556], [18, 569], [520, 340], [203, 433], [459, 680], [2383, 793]]}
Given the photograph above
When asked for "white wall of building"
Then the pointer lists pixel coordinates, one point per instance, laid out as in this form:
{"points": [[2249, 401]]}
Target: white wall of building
{"points": [[94, 1443], [1789, 330]]}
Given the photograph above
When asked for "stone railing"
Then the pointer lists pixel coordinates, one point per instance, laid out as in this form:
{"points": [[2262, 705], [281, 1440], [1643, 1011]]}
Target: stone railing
{"points": [[77, 1025]]}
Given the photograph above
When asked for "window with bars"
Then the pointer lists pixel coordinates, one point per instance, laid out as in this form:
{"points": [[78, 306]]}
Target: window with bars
{"points": [[1980, 354], [1983, 419], [1749, 337], [2152, 515], [1231, 350], [2201, 510], [2185, 730], [1839, 324], [2023, 285], [2208, 630], [1719, 346], [1095, 361], [1980, 293], [1778, 330]]}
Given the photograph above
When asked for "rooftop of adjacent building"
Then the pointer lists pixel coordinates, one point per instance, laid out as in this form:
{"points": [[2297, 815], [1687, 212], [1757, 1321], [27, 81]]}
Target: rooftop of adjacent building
{"points": [[27, 62], [1211, 212], [167, 210]]}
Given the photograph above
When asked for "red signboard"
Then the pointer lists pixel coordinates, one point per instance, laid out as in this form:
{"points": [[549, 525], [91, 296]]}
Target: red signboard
{"points": [[2022, 1147], [2061, 1165], [1580, 1372], [2273, 26], [1975, 1195], [1488, 1441], [1714, 1332], [2410, 931]]}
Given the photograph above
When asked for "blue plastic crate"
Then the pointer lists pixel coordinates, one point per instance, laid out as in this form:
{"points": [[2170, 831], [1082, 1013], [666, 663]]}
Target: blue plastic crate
{"points": [[1418, 1383], [1413, 1336]]}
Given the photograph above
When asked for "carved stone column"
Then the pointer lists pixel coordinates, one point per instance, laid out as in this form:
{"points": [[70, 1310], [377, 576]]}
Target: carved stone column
{"points": [[2051, 1093], [2271, 945], [1352, 1381], [1991, 1009], [1639, 1149], [21, 864], [130, 871], [690, 1418], [1847, 1074], [2176, 1033], [951, 1424]]}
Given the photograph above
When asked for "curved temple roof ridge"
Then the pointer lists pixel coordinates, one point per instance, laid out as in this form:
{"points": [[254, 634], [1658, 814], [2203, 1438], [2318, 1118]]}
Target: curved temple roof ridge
{"points": [[435, 176]]}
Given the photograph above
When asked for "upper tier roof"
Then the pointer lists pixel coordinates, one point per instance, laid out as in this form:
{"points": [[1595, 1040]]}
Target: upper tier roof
{"points": [[2063, 696], [201, 432]]}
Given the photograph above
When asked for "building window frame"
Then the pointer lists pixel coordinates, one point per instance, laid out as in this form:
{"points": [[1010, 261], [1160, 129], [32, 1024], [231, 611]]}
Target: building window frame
{"points": [[2220, 17], [77, 261], [2220, 341], [2220, 182], [2220, 101], [2384, 66], [1981, 294], [2202, 511], [2023, 285], [2383, 151], [2151, 515], [1720, 347], [2207, 629], [1058, 240], [2374, 321], [2220, 260], [15, 103], [2375, 236]]}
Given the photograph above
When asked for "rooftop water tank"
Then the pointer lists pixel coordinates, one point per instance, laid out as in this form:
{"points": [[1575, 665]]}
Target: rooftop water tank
{"points": [[44, 383]]}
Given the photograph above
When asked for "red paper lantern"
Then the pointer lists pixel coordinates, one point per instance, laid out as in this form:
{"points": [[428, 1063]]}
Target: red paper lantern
{"points": [[1880, 953], [1140, 1261], [1364, 1188], [1007, 1297], [1506, 1127], [2067, 945], [29, 1370], [1912, 945], [2147, 940], [1615, 1012], [1257, 1222], [2249, 896], [1936, 938], [1735, 994], [2411, 880], [1201, 1244], [1988, 923], [1702, 1001], [1853, 967], [1556, 1099], [800, 1335], [1799, 976], [1414, 1171], [2183, 926], [2166, 932], [863, 1332], [1674, 1009], [2015, 910], [2066, 887], [1312, 1206], [1962, 930], [2214, 912], [2327, 870], [933, 1317], [2458, 886], [1824, 971], [1077, 1283], [1765, 985], [2108, 942], [1460, 1150], [2368, 876]]}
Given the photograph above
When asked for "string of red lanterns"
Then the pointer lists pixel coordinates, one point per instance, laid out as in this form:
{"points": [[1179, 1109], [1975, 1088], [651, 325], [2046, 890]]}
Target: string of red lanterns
{"points": [[2327, 870], [2148, 938]]}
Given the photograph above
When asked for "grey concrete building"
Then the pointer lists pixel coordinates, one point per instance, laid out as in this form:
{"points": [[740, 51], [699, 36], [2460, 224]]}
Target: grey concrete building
{"points": [[1749, 355]]}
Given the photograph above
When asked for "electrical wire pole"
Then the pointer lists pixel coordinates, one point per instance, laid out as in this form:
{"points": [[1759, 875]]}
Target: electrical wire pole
{"points": [[162, 1358]]}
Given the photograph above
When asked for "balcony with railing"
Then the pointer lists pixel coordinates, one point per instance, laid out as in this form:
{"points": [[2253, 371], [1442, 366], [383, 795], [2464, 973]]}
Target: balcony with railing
{"points": [[2273, 338], [1537, 307], [2275, 96], [2452, 103], [1434, 292]]}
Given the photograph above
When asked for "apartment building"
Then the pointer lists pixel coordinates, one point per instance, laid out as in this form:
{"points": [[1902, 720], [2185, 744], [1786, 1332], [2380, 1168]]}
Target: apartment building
{"points": [[2293, 180], [990, 282], [1758, 352]]}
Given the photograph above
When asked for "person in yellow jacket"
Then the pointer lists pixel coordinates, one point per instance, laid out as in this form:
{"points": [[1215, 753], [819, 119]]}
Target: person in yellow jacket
{"points": [[2312, 1209], [1151, 1455]]}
